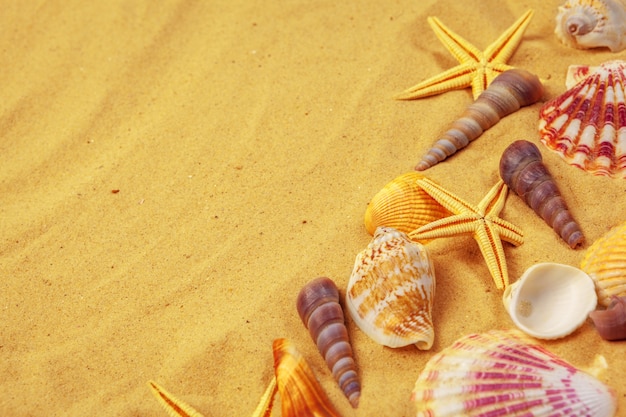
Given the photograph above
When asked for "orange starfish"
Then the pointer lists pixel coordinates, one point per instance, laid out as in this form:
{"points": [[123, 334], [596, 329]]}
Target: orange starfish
{"points": [[476, 69], [481, 221]]}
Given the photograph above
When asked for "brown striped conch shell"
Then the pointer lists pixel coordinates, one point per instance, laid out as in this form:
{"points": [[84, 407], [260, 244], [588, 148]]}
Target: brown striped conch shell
{"points": [[605, 262], [585, 24], [522, 169], [319, 309], [611, 323], [586, 125], [503, 373], [391, 290], [508, 92], [403, 205], [300, 393]]}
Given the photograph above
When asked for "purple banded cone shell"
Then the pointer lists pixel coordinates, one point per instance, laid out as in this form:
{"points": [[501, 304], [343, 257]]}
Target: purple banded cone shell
{"points": [[522, 169], [403, 205], [320, 311], [503, 373], [507, 93]]}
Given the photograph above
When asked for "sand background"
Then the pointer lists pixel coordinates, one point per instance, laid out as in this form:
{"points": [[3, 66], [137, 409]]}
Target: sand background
{"points": [[171, 173]]}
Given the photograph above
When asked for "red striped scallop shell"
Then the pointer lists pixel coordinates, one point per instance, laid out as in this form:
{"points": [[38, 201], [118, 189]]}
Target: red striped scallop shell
{"points": [[587, 124]]}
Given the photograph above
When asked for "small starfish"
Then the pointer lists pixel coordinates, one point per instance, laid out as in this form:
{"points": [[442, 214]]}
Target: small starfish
{"points": [[476, 69], [178, 408], [481, 221]]}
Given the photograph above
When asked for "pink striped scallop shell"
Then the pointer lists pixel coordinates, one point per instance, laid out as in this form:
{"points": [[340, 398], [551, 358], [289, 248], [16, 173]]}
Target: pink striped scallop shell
{"points": [[501, 373], [586, 125]]}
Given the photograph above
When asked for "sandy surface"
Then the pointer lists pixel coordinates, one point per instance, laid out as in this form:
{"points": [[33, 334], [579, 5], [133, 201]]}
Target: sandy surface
{"points": [[171, 173]]}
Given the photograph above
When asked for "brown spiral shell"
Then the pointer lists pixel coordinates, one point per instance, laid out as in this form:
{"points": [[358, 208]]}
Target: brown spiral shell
{"points": [[508, 92], [319, 309], [522, 169], [611, 323]]}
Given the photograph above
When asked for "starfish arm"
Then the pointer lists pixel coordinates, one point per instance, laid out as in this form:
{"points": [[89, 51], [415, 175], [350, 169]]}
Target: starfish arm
{"points": [[491, 248], [493, 203], [264, 409], [504, 47], [172, 405], [460, 224], [508, 231], [444, 197], [462, 50], [452, 79]]}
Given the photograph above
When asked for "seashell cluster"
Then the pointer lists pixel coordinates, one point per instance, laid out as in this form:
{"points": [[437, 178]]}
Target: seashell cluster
{"points": [[403, 205], [500, 373], [605, 262], [550, 300], [319, 309], [586, 125], [522, 169], [585, 24], [300, 393], [508, 92], [391, 290], [611, 323]]}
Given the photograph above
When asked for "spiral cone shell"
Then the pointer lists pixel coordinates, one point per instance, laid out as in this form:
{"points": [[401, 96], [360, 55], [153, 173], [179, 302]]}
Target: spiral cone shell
{"points": [[403, 205], [501, 373], [508, 92], [605, 262], [585, 24], [522, 169], [586, 125], [319, 309], [300, 393], [391, 290]]}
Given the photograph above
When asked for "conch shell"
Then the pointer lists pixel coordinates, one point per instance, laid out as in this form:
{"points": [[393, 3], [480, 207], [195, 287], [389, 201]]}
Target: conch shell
{"points": [[319, 309], [391, 290], [508, 92], [587, 24], [522, 169], [403, 205], [611, 323]]}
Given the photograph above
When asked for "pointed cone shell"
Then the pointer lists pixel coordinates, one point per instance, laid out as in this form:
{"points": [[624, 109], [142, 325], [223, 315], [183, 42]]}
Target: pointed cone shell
{"points": [[391, 290], [522, 169], [586, 125], [403, 205], [605, 262], [550, 300], [319, 309], [300, 393], [500, 373]]}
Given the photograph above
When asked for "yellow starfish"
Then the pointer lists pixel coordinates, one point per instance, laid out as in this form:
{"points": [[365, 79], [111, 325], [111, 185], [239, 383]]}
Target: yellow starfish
{"points": [[481, 221], [178, 408], [476, 69]]}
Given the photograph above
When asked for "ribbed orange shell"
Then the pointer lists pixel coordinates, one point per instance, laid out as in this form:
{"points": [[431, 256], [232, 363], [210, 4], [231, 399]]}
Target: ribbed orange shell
{"points": [[605, 263], [403, 205]]}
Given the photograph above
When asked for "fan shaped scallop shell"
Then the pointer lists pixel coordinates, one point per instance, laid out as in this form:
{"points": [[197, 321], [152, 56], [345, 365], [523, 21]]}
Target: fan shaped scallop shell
{"points": [[587, 24], [605, 262], [586, 125], [500, 373], [391, 290], [403, 205], [550, 300]]}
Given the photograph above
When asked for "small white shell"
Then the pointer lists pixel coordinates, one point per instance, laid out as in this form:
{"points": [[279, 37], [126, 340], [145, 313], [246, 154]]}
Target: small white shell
{"points": [[585, 24], [550, 300], [391, 290]]}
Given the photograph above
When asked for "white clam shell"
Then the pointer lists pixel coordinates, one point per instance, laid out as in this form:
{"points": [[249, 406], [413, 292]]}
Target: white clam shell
{"points": [[550, 300]]}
